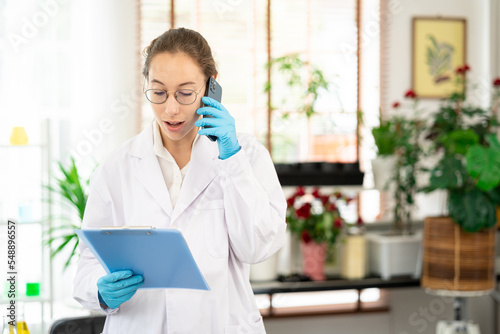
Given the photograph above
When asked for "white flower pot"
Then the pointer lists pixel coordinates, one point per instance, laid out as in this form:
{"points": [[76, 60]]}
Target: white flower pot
{"points": [[265, 271], [395, 255], [382, 168]]}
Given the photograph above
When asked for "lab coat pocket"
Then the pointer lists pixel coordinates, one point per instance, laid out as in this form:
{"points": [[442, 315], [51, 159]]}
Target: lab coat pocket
{"points": [[216, 238], [256, 327]]}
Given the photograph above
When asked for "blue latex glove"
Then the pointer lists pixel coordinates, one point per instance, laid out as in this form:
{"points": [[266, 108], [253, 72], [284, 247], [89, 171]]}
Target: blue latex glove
{"points": [[222, 127], [118, 287]]}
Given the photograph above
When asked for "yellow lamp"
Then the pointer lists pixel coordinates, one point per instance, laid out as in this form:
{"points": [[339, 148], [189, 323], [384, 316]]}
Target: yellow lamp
{"points": [[18, 136]]}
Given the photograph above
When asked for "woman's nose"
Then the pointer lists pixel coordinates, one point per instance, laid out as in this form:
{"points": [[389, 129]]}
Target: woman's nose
{"points": [[171, 105]]}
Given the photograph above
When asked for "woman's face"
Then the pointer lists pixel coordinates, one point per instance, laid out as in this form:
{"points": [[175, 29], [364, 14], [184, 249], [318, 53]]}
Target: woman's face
{"points": [[171, 72]]}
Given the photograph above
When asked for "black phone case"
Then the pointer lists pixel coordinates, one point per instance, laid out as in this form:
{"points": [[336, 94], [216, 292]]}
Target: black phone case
{"points": [[214, 91]]}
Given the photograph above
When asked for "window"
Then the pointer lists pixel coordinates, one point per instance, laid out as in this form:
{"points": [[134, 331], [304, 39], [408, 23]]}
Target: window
{"points": [[323, 32]]}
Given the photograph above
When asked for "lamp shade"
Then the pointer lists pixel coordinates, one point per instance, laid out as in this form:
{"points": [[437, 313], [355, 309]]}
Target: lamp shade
{"points": [[18, 136]]}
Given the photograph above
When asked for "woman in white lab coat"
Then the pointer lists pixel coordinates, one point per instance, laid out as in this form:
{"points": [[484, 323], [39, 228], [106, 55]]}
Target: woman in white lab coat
{"points": [[223, 196]]}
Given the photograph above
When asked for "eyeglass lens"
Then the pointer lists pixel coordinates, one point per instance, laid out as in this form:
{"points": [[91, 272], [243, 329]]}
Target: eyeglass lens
{"points": [[183, 96]]}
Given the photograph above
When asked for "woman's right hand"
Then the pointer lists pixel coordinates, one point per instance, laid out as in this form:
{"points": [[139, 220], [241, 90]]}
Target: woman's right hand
{"points": [[118, 287]]}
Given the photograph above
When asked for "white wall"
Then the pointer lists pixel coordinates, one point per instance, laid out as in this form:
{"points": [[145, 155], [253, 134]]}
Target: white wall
{"points": [[495, 37], [106, 90], [476, 14]]}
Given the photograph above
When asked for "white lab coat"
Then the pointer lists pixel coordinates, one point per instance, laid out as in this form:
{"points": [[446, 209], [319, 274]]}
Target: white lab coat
{"points": [[231, 213]]}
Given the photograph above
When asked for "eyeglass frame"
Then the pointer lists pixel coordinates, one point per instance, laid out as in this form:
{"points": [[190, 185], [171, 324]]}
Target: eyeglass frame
{"points": [[175, 95]]}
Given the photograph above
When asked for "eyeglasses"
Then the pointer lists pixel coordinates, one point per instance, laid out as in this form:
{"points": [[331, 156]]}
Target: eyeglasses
{"points": [[183, 96]]}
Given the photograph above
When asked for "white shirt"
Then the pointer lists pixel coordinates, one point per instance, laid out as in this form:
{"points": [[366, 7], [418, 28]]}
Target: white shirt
{"points": [[171, 173]]}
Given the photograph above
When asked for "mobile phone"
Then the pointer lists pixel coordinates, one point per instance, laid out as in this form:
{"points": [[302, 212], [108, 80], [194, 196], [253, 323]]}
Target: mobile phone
{"points": [[214, 91]]}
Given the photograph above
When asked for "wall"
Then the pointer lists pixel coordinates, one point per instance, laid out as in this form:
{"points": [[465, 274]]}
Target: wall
{"points": [[106, 90], [397, 77]]}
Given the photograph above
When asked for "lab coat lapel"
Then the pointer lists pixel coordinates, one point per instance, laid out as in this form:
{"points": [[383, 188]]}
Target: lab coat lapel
{"points": [[202, 170], [148, 171]]}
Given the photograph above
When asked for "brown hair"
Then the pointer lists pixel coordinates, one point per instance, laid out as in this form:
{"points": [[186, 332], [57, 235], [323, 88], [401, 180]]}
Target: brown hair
{"points": [[182, 40]]}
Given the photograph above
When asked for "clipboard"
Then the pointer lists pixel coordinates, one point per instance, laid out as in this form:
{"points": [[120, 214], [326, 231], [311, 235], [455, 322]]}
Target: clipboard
{"points": [[161, 256]]}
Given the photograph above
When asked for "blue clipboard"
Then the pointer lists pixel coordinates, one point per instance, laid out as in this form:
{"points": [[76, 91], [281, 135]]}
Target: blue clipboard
{"points": [[161, 256]]}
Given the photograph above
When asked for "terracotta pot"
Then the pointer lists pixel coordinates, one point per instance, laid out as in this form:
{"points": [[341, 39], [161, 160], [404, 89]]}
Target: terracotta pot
{"points": [[313, 260], [456, 260]]}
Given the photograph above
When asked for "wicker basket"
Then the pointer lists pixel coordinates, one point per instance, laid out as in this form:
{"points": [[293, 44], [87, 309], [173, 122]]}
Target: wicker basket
{"points": [[456, 260]]}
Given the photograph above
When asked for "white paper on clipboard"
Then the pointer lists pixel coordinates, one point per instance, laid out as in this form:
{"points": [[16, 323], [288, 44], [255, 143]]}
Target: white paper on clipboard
{"points": [[161, 256]]}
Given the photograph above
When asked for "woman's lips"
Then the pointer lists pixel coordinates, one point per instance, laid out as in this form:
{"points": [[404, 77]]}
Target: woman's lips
{"points": [[173, 126]]}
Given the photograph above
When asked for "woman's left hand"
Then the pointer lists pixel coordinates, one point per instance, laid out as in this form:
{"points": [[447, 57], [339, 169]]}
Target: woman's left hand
{"points": [[222, 127]]}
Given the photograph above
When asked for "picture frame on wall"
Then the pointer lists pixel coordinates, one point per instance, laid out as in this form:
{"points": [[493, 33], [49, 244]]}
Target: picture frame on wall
{"points": [[438, 49]]}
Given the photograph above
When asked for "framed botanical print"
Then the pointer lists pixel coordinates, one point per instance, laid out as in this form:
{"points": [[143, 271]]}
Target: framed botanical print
{"points": [[439, 48]]}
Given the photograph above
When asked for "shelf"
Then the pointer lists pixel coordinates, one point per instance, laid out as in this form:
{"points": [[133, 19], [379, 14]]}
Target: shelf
{"points": [[271, 287], [319, 173], [22, 146], [25, 299], [335, 283], [3, 222]]}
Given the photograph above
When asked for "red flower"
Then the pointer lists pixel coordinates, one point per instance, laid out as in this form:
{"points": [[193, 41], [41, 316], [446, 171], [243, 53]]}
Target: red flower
{"points": [[315, 193], [324, 199], [410, 93], [290, 201], [306, 237], [337, 223], [300, 191], [496, 82], [331, 207], [396, 105], [304, 211], [360, 221], [463, 69], [337, 194]]}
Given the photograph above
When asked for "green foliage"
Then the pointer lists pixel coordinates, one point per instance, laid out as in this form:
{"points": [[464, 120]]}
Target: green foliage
{"points": [[385, 137], [300, 75], [73, 191], [399, 136], [469, 166], [472, 209]]}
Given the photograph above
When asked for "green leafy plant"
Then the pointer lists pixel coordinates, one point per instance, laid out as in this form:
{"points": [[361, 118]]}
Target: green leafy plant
{"points": [[302, 76], [385, 137], [74, 193], [468, 170], [399, 136]]}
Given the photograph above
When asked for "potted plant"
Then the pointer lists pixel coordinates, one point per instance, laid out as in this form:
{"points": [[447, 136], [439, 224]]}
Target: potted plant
{"points": [[385, 138], [73, 190], [396, 253], [303, 81], [459, 249], [315, 219]]}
